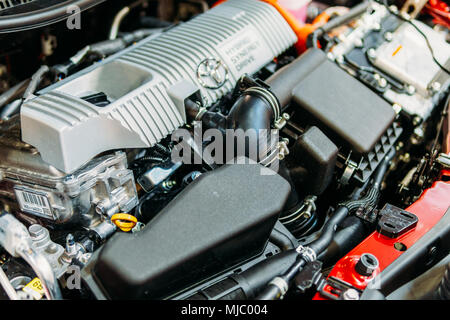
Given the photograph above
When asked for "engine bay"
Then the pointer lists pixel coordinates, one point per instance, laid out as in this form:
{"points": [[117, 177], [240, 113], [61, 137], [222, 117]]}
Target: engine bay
{"points": [[229, 150]]}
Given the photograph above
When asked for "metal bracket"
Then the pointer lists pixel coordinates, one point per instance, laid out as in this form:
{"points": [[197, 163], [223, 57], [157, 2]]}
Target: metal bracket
{"points": [[338, 289], [395, 221]]}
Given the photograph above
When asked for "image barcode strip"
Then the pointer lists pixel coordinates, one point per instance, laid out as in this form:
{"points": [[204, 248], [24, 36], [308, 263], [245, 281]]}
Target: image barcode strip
{"points": [[31, 198]]}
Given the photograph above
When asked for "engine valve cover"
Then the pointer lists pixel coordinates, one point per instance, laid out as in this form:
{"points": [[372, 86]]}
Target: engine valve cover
{"points": [[146, 85]]}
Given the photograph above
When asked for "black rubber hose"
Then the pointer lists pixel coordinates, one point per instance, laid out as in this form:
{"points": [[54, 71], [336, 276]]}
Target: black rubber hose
{"points": [[382, 168], [345, 208], [328, 230], [109, 47], [281, 240], [253, 113], [250, 112], [345, 240], [250, 282], [255, 278], [272, 291], [336, 22]]}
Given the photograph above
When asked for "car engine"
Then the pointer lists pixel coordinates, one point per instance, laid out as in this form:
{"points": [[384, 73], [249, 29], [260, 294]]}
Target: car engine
{"points": [[224, 150]]}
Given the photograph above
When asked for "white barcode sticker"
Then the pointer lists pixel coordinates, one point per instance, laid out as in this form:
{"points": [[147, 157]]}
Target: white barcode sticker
{"points": [[33, 202]]}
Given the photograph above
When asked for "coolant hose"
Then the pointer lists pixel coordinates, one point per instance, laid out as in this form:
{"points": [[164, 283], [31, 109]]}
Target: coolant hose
{"points": [[348, 237], [281, 240]]}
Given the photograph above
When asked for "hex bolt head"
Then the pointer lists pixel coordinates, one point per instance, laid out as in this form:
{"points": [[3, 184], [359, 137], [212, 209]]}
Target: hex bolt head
{"points": [[435, 86], [371, 53], [350, 294], [36, 230], [410, 89], [388, 36]]}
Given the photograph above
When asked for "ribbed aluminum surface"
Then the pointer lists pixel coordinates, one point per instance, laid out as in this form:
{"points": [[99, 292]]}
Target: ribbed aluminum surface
{"points": [[244, 35]]}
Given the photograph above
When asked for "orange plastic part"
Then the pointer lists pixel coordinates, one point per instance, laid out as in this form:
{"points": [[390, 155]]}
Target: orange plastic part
{"points": [[124, 221], [301, 30]]}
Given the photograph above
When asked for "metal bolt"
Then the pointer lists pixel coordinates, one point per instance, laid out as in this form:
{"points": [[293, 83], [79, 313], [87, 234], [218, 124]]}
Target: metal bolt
{"points": [[101, 207], [432, 253], [36, 230], [419, 132], [416, 120], [372, 53], [70, 245], [397, 108], [169, 184], [388, 36], [350, 294], [405, 15], [382, 82], [310, 206], [359, 43], [418, 136], [138, 227], [393, 9], [69, 178], [84, 258], [435, 86], [410, 89], [52, 248], [338, 59]]}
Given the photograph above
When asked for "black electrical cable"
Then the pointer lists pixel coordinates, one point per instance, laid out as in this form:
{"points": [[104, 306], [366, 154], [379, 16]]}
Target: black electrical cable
{"points": [[385, 3]]}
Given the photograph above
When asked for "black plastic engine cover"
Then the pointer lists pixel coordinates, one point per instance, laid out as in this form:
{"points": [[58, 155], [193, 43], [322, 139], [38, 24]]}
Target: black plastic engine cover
{"points": [[222, 218], [342, 107]]}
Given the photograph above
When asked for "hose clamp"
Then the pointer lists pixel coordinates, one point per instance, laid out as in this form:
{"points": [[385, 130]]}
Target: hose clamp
{"points": [[307, 253], [201, 111], [281, 284], [267, 95]]}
